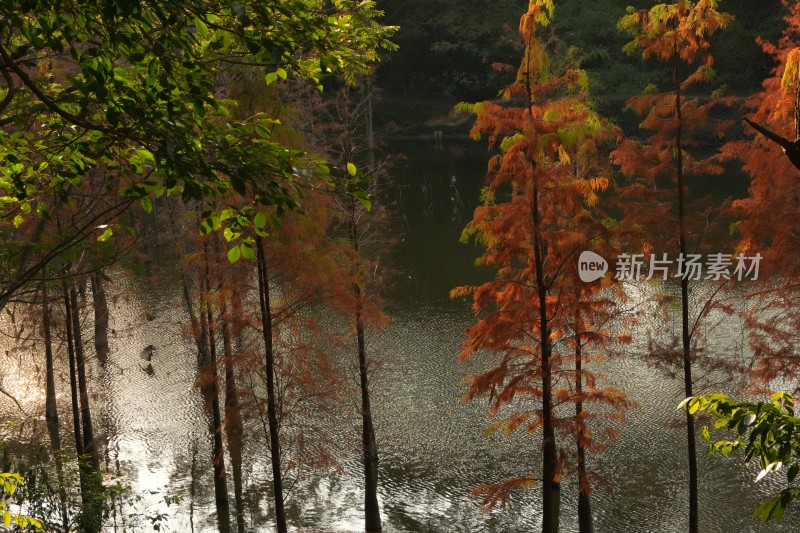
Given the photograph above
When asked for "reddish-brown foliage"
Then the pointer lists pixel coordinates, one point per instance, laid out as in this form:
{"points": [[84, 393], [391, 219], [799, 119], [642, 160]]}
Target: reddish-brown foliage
{"points": [[538, 214], [770, 212]]}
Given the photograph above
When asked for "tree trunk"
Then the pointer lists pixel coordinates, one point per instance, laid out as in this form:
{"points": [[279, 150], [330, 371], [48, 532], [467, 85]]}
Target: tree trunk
{"points": [[207, 367], [272, 414], [73, 377], [551, 477], [551, 484], [690, 436], [211, 393], [91, 518], [234, 428], [686, 337], [193, 485], [585, 521], [89, 444], [372, 511], [100, 318], [51, 410]]}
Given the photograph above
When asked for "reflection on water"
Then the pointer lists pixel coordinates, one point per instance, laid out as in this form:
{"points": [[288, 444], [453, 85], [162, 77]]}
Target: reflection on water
{"points": [[433, 447]]}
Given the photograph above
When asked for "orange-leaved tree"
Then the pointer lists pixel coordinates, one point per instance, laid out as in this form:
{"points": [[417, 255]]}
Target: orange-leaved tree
{"points": [[656, 199], [769, 214], [534, 221]]}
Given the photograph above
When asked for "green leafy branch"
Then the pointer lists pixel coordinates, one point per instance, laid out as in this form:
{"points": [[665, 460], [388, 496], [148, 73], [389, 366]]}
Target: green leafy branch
{"points": [[10, 483], [765, 431]]}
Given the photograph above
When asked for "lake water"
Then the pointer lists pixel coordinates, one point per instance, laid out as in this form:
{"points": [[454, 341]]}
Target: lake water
{"points": [[433, 450]]}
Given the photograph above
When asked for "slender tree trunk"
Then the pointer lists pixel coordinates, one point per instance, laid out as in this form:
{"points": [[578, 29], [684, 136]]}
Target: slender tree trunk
{"points": [[551, 485], [193, 485], [73, 377], [51, 410], [686, 337], [83, 478], [100, 318], [89, 444], [206, 363], [212, 396], [91, 518], [234, 428], [690, 434], [272, 412], [372, 511], [585, 521]]}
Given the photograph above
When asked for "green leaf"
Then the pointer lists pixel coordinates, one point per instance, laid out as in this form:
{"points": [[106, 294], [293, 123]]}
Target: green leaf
{"points": [[234, 254], [365, 200], [43, 211], [351, 169], [765, 510], [510, 141], [229, 234], [650, 89], [726, 450], [147, 205], [107, 233], [260, 220], [202, 29], [248, 252]]}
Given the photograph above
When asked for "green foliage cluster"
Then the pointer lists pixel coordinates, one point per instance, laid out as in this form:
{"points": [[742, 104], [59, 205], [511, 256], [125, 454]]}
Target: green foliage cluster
{"points": [[768, 432], [134, 88], [10, 483], [133, 95]]}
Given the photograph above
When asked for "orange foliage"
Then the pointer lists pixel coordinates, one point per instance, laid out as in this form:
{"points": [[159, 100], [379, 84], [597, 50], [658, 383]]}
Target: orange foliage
{"points": [[773, 205], [677, 34], [677, 29], [770, 212], [539, 213]]}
